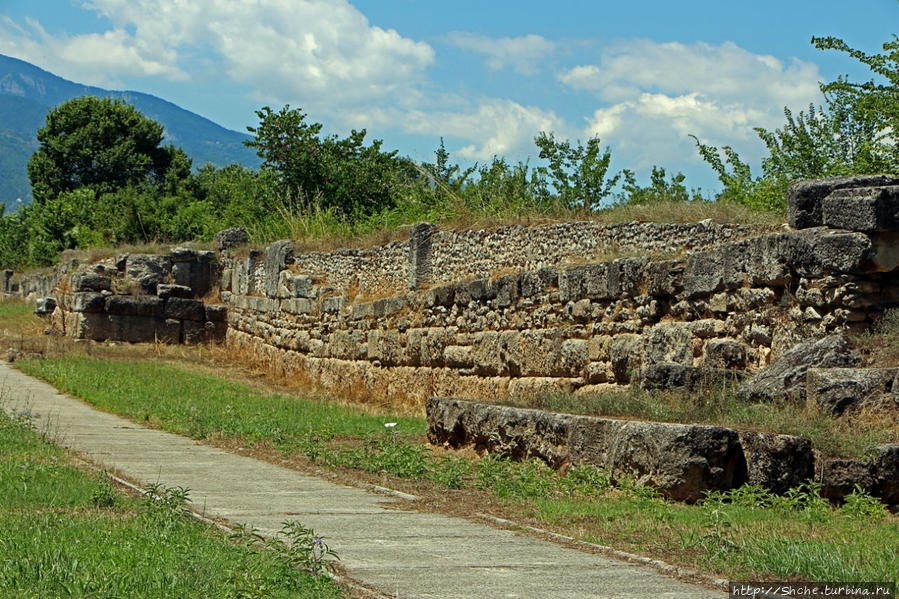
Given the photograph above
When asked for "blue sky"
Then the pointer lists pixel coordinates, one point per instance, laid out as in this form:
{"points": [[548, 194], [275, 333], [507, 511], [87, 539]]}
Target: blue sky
{"points": [[486, 76]]}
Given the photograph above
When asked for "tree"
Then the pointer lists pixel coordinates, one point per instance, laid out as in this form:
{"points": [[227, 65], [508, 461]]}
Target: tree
{"points": [[103, 145], [578, 173], [326, 172]]}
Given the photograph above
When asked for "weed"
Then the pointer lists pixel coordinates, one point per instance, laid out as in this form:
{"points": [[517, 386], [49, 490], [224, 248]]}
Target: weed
{"points": [[105, 495], [859, 504]]}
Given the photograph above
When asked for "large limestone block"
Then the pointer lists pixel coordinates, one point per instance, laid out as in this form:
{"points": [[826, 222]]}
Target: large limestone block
{"points": [[227, 239], [667, 375], [626, 355], [513, 432], [786, 375], [777, 462], [277, 256], [679, 460], [724, 353], [134, 305], [670, 342], [90, 281], [866, 209], [86, 301], [185, 309], [836, 390], [804, 198]]}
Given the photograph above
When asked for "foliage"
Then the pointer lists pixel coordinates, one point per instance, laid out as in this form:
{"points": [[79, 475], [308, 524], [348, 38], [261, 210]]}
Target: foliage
{"points": [[102, 145], [855, 133], [341, 173], [577, 173], [658, 191]]}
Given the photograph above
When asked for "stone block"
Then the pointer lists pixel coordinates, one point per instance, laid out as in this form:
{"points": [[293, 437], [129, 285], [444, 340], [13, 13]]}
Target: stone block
{"points": [[134, 305], [885, 469], [704, 273], [724, 353], [458, 356], [785, 377], [227, 239], [45, 306], [670, 342], [681, 461], [195, 276], [804, 198], [836, 390], [420, 239], [538, 282], [626, 354], [665, 278], [866, 209], [539, 386], [333, 304], [506, 290], [195, 332], [86, 301], [185, 309], [689, 378], [181, 254], [512, 432], [441, 295], [839, 477], [277, 256], [777, 462], [89, 281], [166, 291], [298, 285], [216, 312]]}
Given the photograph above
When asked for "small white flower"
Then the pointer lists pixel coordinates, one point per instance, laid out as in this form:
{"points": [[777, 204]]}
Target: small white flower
{"points": [[389, 424]]}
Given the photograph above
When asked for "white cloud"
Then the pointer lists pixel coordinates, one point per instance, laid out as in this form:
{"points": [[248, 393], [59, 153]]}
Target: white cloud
{"points": [[311, 52], [95, 58], [519, 53], [498, 127], [656, 94]]}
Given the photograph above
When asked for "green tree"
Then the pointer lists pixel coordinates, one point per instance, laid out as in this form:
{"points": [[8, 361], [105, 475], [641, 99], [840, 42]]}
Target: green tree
{"points": [[326, 171], [577, 173], [659, 189], [103, 145]]}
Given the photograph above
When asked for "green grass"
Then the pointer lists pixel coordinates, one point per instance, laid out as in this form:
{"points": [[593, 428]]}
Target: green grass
{"points": [[67, 534], [202, 406], [743, 535]]}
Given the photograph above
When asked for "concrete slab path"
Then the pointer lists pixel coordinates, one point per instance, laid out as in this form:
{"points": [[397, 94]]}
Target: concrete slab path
{"points": [[402, 554]]}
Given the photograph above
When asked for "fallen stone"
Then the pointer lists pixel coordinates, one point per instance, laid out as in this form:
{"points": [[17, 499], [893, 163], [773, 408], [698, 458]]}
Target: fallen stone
{"points": [[785, 377], [777, 462], [680, 460], [835, 390], [840, 477], [513, 432]]}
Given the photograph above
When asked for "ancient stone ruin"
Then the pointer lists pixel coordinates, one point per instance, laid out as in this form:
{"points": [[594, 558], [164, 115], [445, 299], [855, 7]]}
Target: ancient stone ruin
{"points": [[573, 307]]}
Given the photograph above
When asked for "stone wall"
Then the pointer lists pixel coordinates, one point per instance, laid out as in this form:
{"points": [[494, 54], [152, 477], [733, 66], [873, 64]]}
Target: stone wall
{"points": [[732, 307], [140, 298]]}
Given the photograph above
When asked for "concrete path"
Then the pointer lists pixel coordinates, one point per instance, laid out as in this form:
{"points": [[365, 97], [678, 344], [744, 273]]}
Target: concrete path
{"points": [[402, 554]]}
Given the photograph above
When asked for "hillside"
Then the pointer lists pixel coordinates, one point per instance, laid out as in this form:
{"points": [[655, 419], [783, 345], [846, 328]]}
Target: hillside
{"points": [[28, 92]]}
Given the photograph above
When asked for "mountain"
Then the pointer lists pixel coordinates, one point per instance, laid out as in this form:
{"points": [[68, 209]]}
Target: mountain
{"points": [[27, 93]]}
